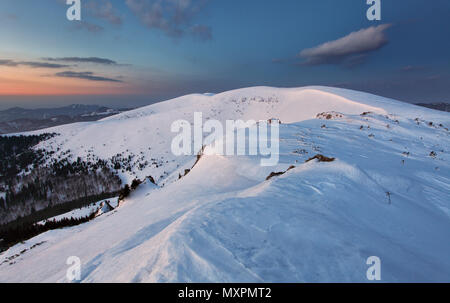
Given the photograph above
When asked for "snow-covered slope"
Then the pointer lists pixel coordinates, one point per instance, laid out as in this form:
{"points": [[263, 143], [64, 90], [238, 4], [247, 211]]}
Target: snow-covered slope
{"points": [[386, 195], [143, 136]]}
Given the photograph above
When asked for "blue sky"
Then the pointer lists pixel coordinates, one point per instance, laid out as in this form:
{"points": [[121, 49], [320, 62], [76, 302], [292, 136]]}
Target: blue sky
{"points": [[157, 49]]}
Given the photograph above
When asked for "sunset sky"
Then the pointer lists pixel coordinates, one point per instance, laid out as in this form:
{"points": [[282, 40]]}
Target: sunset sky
{"points": [[135, 52]]}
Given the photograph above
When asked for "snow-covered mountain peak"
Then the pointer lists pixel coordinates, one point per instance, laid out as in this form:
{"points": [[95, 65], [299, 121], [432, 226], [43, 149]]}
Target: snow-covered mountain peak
{"points": [[379, 188]]}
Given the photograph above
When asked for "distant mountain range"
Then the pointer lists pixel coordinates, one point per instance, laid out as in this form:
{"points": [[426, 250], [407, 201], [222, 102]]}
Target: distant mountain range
{"points": [[19, 119], [445, 107]]}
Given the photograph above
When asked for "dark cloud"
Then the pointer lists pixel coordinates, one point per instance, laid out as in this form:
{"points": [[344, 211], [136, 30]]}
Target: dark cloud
{"points": [[350, 50], [95, 60], [4, 62], [85, 76], [173, 17], [33, 64], [103, 10], [43, 65]]}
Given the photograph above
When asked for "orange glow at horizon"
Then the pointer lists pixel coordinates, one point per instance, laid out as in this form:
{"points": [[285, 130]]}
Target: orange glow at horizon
{"points": [[25, 81]]}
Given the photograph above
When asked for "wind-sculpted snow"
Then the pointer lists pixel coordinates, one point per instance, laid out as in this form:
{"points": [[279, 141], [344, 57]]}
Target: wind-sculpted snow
{"points": [[386, 194]]}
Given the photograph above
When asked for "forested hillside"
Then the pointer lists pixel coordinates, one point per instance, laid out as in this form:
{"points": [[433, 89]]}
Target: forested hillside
{"points": [[31, 182]]}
